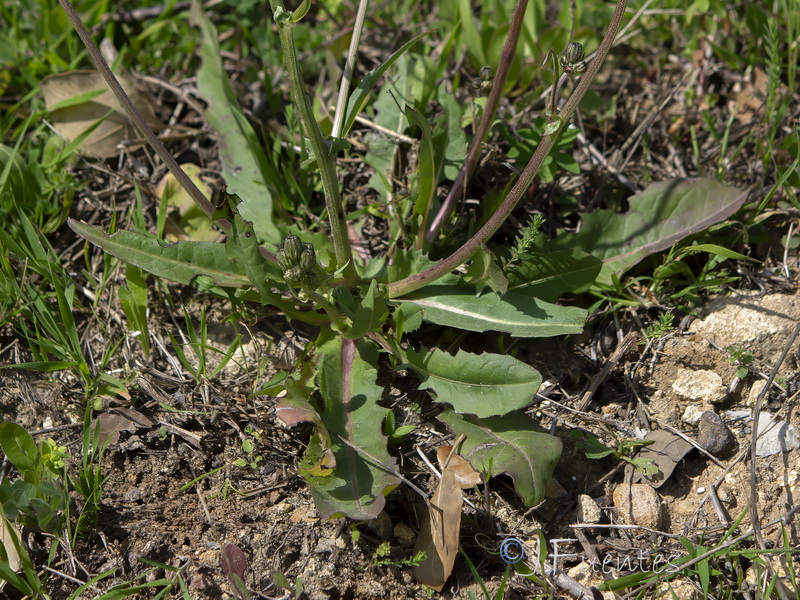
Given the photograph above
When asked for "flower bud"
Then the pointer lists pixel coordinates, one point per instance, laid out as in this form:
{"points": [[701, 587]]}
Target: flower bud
{"points": [[308, 258], [290, 251], [572, 59], [487, 74]]}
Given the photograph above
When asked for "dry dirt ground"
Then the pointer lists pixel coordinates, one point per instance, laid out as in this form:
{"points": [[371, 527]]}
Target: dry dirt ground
{"points": [[182, 430]]}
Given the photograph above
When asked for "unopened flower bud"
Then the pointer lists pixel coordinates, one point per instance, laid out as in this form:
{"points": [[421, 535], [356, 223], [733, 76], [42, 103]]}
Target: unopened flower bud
{"points": [[572, 59], [308, 258], [290, 251]]}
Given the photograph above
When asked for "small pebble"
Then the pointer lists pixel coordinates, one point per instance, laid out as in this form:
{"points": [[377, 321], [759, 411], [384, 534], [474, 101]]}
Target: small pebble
{"points": [[714, 437], [638, 504]]}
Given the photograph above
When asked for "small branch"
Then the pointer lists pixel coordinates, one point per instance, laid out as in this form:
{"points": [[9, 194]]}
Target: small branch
{"points": [[409, 284]]}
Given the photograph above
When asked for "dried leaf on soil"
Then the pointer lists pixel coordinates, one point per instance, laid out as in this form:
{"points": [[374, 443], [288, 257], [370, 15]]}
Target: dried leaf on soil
{"points": [[439, 535], [114, 421], [74, 108], [466, 476], [666, 451]]}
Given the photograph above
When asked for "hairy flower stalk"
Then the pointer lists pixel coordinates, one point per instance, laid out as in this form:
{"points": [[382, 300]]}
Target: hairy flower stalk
{"points": [[465, 252], [285, 21]]}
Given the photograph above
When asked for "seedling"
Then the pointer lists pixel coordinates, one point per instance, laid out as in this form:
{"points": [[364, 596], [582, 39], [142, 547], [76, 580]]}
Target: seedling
{"points": [[662, 327], [742, 358], [384, 549], [626, 450]]}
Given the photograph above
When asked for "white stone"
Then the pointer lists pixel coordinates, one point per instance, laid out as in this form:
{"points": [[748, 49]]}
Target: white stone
{"points": [[701, 385], [588, 510], [693, 412], [776, 437]]}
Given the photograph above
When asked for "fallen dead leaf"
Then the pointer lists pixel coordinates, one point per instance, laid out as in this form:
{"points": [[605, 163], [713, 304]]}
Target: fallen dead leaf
{"points": [[114, 421], [73, 109], [466, 476], [666, 451], [440, 534]]}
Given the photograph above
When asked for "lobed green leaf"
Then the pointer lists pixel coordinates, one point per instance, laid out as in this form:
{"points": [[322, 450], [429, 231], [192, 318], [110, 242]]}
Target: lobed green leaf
{"points": [[481, 384], [513, 444], [661, 215], [181, 262]]}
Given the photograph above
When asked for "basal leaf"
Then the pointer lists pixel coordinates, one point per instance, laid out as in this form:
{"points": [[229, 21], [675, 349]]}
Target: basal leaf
{"points": [[549, 275], [245, 167], [357, 486], [514, 313], [181, 262], [659, 216], [481, 384], [512, 444]]}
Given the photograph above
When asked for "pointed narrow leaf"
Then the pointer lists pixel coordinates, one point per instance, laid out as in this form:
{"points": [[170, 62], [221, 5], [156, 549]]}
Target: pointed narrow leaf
{"points": [[514, 313], [660, 216], [480, 384], [245, 167], [426, 164], [353, 417], [181, 262], [370, 315], [512, 444], [359, 97]]}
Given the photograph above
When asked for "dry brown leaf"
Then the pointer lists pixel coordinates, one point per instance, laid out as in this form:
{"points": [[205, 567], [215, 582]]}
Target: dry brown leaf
{"points": [[554, 489], [666, 451], [111, 423], [466, 476], [72, 121], [750, 100], [440, 534]]}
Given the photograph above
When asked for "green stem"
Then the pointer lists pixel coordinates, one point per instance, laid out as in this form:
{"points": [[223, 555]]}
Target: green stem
{"points": [[336, 319], [409, 284], [322, 153]]}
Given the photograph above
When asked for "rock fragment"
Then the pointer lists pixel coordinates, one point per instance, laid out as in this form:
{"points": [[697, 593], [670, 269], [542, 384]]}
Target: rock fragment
{"points": [[714, 436], [776, 437], [701, 385], [638, 504]]}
